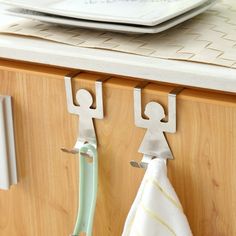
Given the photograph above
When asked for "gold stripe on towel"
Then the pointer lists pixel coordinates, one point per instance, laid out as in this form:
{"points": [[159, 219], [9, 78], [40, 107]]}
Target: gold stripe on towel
{"points": [[158, 186], [158, 219], [132, 221]]}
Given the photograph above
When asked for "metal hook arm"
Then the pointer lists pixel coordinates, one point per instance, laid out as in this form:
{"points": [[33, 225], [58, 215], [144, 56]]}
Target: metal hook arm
{"points": [[99, 113], [138, 118], [170, 126], [69, 96]]}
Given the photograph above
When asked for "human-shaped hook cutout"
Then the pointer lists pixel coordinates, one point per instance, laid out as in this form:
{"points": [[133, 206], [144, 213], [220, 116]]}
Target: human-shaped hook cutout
{"points": [[85, 112], [154, 143]]}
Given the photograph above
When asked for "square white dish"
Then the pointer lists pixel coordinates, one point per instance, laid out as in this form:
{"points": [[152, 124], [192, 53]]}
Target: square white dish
{"points": [[110, 26], [139, 12]]}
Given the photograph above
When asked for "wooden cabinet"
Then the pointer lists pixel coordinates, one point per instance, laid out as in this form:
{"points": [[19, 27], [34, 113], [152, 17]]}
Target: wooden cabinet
{"points": [[45, 200]]}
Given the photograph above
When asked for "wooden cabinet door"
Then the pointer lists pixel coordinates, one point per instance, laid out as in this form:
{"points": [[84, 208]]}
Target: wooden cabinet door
{"points": [[45, 200], [203, 172]]}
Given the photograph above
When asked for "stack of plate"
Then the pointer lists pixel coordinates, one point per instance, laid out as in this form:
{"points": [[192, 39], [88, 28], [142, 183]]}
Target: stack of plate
{"points": [[132, 16]]}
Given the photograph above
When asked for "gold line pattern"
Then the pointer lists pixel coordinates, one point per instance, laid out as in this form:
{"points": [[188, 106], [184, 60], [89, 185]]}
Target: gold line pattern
{"points": [[158, 219], [158, 186], [132, 221]]}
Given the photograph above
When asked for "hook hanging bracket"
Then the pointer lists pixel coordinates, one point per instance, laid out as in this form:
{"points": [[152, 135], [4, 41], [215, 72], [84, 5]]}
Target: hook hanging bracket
{"points": [[154, 144], [86, 114]]}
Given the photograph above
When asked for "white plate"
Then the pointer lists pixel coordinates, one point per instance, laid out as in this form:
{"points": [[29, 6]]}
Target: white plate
{"points": [[140, 12], [109, 26]]}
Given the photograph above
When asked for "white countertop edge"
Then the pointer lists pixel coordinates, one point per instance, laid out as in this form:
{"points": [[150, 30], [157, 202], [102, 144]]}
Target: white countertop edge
{"points": [[170, 71]]}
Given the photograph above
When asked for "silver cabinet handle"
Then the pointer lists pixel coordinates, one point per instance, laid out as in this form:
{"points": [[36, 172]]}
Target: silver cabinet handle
{"points": [[8, 172]]}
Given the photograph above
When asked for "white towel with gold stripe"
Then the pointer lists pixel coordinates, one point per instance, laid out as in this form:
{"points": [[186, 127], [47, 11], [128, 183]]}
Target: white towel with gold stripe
{"points": [[156, 210]]}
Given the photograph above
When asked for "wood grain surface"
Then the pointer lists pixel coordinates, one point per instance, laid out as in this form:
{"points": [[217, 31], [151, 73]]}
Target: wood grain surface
{"points": [[44, 202]]}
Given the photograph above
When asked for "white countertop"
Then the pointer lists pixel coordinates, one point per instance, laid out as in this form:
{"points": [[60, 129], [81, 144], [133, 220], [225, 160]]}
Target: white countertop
{"points": [[118, 63]]}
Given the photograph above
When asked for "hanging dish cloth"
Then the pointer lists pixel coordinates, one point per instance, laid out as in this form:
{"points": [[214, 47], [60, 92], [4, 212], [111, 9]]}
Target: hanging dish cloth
{"points": [[156, 210]]}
